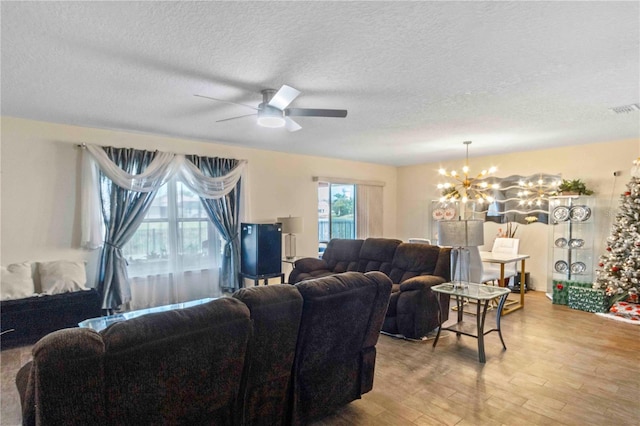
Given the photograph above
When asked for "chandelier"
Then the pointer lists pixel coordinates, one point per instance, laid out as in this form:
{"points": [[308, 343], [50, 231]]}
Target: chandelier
{"points": [[464, 187]]}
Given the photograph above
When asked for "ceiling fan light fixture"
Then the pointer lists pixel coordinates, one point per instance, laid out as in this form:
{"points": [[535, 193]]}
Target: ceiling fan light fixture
{"points": [[271, 117], [271, 122]]}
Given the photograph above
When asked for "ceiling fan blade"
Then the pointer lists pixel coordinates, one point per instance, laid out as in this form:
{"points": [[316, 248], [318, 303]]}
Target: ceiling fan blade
{"points": [[228, 102], [284, 97], [312, 112], [291, 125], [234, 118]]}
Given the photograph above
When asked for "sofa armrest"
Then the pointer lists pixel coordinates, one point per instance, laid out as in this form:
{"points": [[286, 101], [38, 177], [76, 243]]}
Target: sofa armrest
{"points": [[421, 282], [426, 309], [310, 264]]}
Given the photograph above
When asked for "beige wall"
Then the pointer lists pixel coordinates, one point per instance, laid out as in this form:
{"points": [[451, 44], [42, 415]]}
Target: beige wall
{"points": [[40, 215], [594, 164], [40, 186]]}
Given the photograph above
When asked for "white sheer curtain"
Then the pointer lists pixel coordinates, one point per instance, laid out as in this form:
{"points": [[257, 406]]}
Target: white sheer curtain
{"points": [[163, 167], [165, 289], [369, 218], [175, 276]]}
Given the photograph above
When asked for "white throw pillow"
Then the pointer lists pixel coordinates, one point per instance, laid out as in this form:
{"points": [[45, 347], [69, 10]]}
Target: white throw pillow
{"points": [[62, 276], [16, 281]]}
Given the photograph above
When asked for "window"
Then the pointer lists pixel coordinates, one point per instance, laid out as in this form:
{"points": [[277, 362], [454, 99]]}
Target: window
{"points": [[348, 208], [175, 236], [336, 212]]}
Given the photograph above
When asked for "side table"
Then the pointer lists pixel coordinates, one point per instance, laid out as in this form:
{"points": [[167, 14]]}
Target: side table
{"points": [[484, 294], [265, 277]]}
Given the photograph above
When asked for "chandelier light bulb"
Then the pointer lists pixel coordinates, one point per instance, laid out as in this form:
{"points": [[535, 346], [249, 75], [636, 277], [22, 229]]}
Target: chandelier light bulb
{"points": [[442, 172], [465, 169], [454, 173]]}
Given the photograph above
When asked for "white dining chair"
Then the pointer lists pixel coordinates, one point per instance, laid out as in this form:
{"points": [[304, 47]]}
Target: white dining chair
{"points": [[491, 271]]}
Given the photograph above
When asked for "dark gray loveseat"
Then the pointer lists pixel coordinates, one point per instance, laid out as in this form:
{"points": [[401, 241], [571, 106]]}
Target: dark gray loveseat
{"points": [[271, 355], [413, 269]]}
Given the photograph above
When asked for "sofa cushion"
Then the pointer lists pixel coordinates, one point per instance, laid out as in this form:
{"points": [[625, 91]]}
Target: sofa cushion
{"points": [[411, 260], [177, 367], [342, 255], [376, 254], [341, 319], [443, 267], [65, 382], [16, 281], [275, 312], [62, 276]]}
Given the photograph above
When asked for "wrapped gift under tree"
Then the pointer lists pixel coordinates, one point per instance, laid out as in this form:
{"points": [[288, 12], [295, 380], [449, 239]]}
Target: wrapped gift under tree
{"points": [[587, 299], [626, 310], [560, 294]]}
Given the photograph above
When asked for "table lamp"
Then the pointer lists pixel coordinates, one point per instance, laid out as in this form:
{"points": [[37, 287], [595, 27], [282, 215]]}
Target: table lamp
{"points": [[460, 234], [290, 227]]}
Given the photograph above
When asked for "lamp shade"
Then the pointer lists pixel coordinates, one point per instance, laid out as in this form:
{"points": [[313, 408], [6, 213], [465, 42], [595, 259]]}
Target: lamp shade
{"points": [[461, 233], [291, 225]]}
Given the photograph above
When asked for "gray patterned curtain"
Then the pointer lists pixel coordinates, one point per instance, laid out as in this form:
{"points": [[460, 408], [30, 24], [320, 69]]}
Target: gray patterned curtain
{"points": [[224, 212], [123, 211]]}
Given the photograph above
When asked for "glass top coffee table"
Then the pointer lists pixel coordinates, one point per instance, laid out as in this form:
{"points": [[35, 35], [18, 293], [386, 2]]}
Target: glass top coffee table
{"points": [[484, 294], [100, 323]]}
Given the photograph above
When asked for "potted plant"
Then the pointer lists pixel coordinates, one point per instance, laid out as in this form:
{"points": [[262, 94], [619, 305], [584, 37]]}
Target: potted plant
{"points": [[573, 187]]}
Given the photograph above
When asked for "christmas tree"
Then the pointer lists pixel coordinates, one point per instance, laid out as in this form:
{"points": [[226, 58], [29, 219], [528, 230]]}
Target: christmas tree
{"points": [[619, 273]]}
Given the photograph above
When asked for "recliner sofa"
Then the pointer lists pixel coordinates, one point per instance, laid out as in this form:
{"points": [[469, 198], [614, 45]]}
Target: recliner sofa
{"points": [[271, 355], [412, 267]]}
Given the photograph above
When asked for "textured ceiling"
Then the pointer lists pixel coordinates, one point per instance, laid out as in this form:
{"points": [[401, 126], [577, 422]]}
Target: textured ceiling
{"points": [[417, 78]]}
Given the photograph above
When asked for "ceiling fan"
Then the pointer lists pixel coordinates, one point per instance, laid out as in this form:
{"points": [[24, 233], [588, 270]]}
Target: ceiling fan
{"points": [[273, 111]]}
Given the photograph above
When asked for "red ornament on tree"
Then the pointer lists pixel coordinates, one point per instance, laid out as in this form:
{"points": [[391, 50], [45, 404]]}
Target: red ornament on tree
{"points": [[559, 286], [627, 193], [614, 269], [601, 264], [608, 248]]}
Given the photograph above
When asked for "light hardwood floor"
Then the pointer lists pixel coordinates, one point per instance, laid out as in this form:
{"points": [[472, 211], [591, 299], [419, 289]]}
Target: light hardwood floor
{"points": [[561, 367]]}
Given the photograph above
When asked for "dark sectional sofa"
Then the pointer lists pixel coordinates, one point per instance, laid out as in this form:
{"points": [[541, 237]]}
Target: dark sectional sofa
{"points": [[270, 355], [413, 269]]}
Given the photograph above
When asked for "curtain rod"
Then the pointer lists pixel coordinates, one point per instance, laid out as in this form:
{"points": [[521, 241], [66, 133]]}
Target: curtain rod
{"points": [[348, 181], [84, 146]]}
